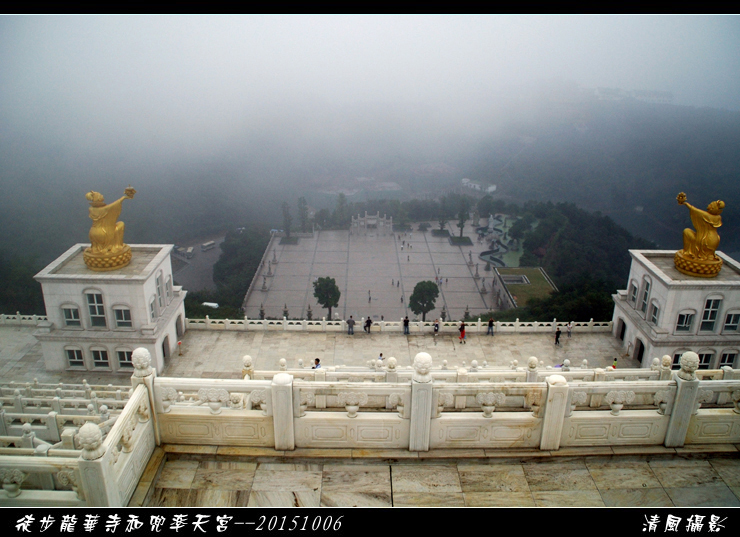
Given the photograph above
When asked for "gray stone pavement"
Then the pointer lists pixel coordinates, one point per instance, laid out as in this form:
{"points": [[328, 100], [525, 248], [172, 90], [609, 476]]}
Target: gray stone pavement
{"points": [[647, 476], [378, 262], [218, 354]]}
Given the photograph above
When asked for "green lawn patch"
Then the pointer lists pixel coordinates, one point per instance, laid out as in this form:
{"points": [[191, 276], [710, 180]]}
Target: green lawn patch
{"points": [[461, 241], [538, 286], [289, 240], [440, 233]]}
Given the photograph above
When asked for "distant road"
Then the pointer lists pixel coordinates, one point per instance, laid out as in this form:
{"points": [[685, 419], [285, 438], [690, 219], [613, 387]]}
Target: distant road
{"points": [[196, 274]]}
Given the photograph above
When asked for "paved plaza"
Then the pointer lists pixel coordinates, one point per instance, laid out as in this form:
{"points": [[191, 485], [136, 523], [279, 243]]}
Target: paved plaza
{"points": [[653, 476], [218, 353], [386, 264]]}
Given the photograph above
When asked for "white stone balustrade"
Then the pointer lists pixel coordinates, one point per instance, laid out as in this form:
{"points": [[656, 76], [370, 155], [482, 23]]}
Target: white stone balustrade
{"points": [[415, 327], [560, 409]]}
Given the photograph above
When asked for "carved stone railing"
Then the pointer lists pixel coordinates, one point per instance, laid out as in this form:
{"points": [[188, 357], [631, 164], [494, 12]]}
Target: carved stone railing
{"points": [[546, 410], [415, 327], [21, 320]]}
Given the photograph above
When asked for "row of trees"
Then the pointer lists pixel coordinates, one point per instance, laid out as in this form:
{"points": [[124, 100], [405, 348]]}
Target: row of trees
{"points": [[421, 302]]}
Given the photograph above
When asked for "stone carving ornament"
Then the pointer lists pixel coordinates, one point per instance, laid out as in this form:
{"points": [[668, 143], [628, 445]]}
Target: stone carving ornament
{"points": [[142, 361], [736, 399], [689, 362], [90, 438], [12, 479], [618, 398], [352, 401], [67, 478], [214, 397], [578, 399], [422, 368], [488, 402], [661, 400]]}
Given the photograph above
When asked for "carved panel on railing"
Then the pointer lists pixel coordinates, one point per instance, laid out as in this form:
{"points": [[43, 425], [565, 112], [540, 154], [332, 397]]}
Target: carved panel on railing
{"points": [[704, 396], [352, 401], [214, 398], [618, 398], [12, 480], [68, 478], [488, 402]]}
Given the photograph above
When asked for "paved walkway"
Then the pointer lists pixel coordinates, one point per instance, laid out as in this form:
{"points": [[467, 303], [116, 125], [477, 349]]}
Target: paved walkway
{"points": [[657, 477], [386, 264], [218, 354]]}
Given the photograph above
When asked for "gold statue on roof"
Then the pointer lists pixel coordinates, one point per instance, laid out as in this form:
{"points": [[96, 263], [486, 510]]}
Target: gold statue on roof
{"points": [[698, 256], [107, 250]]}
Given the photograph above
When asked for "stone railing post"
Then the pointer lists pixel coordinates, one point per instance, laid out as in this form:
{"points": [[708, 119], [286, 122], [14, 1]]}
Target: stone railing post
{"points": [[53, 427], [145, 374], [323, 324], [98, 481], [421, 403], [556, 407], [282, 411], [532, 363], [666, 364], [45, 480], [247, 367], [687, 389]]}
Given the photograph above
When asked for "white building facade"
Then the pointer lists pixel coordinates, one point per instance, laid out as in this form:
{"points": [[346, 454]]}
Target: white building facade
{"points": [[664, 312], [97, 319]]}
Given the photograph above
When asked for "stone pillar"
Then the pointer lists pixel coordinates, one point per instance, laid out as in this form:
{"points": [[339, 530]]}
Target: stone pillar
{"points": [[144, 374], [532, 363], [282, 411], [556, 407], [421, 403], [247, 367], [98, 481], [687, 389]]}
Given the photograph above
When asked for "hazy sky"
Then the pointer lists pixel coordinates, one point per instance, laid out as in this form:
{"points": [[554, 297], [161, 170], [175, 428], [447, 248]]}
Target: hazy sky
{"points": [[191, 82]]}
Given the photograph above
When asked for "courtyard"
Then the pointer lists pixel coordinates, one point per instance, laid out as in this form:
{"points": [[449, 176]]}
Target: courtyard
{"points": [[376, 271]]}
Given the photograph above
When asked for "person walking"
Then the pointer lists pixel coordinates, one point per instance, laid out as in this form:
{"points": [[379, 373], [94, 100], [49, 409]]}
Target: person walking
{"points": [[408, 258], [405, 323], [316, 364], [462, 332], [351, 326], [381, 357], [398, 283], [557, 336], [368, 324], [569, 328], [490, 326], [614, 365], [436, 327]]}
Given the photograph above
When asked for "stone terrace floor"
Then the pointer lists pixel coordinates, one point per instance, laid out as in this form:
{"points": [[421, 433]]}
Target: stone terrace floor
{"points": [[218, 354], [207, 476]]}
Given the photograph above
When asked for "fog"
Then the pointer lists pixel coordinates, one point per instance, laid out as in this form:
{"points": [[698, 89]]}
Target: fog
{"points": [[264, 101]]}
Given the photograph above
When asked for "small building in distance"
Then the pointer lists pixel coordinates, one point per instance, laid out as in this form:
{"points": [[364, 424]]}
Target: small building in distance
{"points": [[665, 312], [97, 319], [513, 286]]}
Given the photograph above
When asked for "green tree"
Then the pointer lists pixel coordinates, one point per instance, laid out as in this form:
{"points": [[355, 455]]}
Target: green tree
{"points": [[303, 213], [287, 219], [442, 223], [327, 293], [423, 298], [341, 214], [462, 216]]}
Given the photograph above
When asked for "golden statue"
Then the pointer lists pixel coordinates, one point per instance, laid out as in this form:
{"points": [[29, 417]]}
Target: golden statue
{"points": [[107, 250], [697, 257]]}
